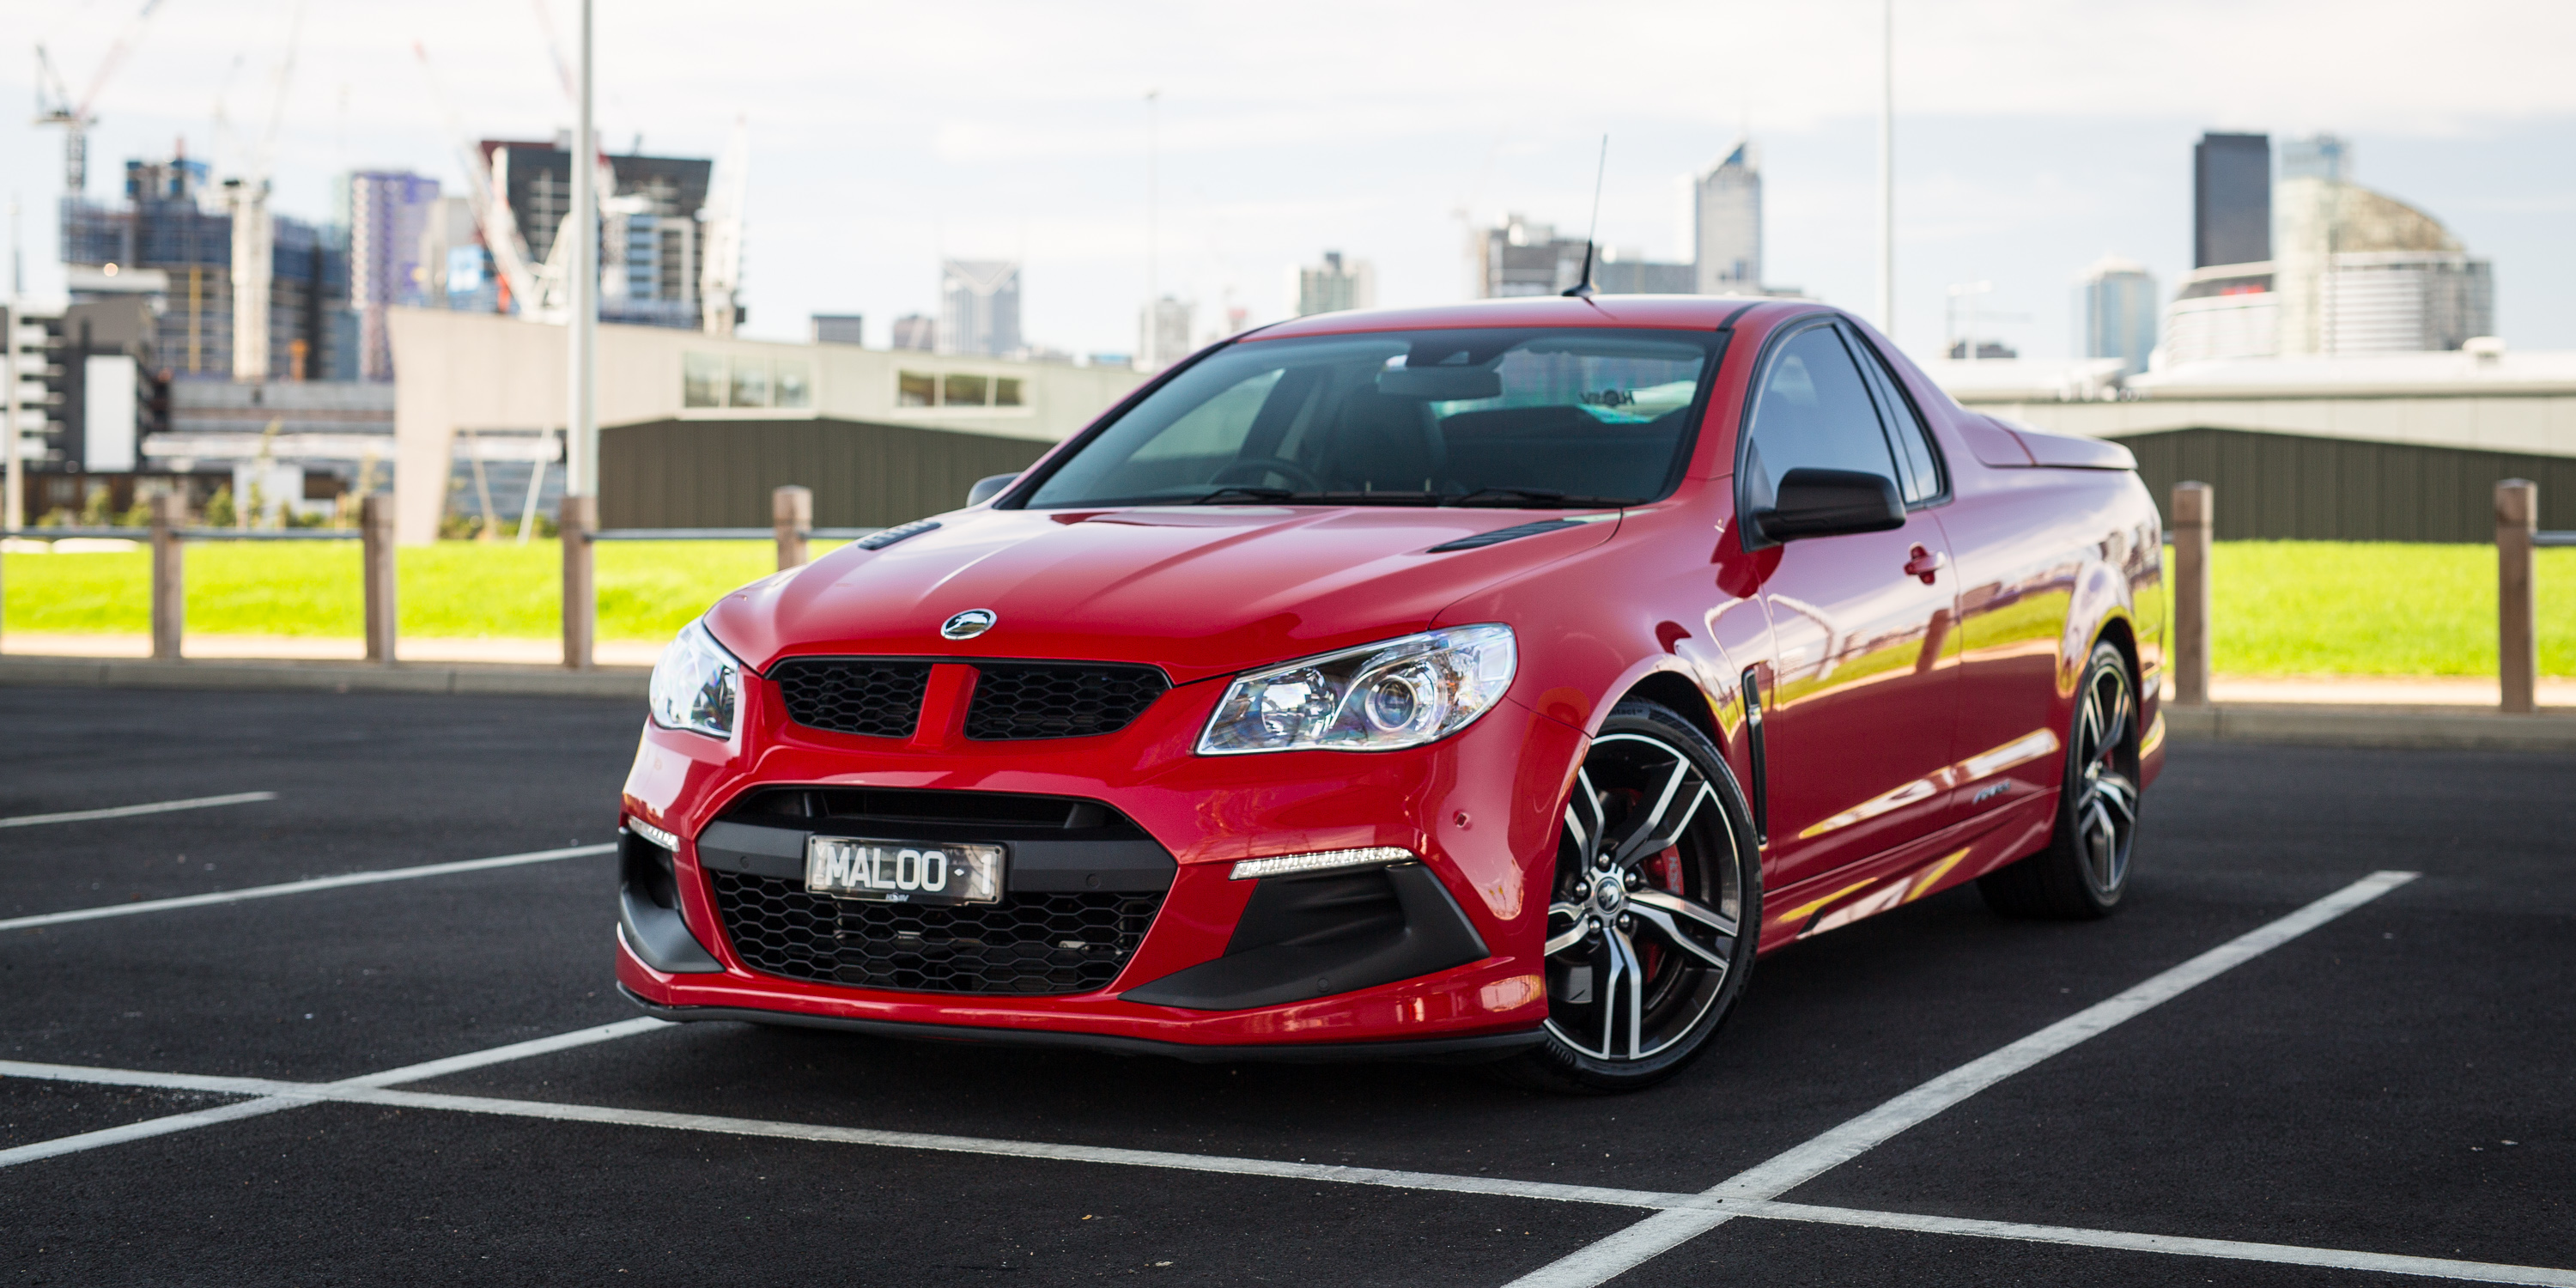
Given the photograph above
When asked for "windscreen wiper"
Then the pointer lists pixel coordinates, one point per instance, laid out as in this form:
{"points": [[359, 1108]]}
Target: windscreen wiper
{"points": [[1504, 496], [1244, 491]]}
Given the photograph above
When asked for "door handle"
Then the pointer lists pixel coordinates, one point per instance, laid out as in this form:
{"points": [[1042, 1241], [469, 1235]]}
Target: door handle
{"points": [[1926, 564]]}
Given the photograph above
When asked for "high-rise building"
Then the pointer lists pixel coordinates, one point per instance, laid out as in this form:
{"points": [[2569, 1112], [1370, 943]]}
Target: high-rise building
{"points": [[385, 213], [1726, 224], [1524, 257], [2231, 205], [2117, 300], [840, 328], [979, 306], [1334, 285], [2317, 156], [913, 331], [170, 223], [1163, 333]]}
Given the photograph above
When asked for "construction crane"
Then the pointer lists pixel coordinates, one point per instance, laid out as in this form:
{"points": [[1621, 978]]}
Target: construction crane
{"points": [[492, 215], [54, 104], [720, 273]]}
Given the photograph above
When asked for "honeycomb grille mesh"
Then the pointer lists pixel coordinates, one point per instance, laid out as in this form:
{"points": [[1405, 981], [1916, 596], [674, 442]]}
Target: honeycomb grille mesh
{"points": [[1029, 944], [1058, 700], [879, 699]]}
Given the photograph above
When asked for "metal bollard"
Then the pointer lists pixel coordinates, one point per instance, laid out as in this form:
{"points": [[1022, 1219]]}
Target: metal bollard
{"points": [[580, 518], [2195, 508], [376, 553], [2517, 507], [169, 585], [791, 512]]}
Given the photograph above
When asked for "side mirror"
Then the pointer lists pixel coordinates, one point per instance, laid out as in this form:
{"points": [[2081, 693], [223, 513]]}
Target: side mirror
{"points": [[1830, 503], [988, 487]]}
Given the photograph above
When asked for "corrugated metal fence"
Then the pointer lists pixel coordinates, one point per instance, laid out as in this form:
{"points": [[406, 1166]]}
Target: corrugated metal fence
{"points": [[2288, 487]]}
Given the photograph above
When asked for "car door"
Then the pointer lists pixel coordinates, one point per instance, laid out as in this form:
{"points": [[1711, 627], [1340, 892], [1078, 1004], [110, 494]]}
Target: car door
{"points": [[1861, 711]]}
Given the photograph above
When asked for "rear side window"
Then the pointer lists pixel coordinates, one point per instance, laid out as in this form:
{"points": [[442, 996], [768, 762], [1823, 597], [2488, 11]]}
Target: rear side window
{"points": [[1920, 469], [1813, 411]]}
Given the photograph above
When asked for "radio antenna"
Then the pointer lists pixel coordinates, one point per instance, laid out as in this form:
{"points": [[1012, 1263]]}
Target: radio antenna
{"points": [[1583, 290]]}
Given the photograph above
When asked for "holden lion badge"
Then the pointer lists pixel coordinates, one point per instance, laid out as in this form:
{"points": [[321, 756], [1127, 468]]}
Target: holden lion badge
{"points": [[967, 625]]}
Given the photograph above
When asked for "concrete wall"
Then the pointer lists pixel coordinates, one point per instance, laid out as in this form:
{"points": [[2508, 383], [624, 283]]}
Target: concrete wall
{"points": [[484, 371]]}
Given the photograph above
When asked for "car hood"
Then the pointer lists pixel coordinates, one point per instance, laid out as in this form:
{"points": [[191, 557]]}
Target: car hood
{"points": [[1199, 591]]}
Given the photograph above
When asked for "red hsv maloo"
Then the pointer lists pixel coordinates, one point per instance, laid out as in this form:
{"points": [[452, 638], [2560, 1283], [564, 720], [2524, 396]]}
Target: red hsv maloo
{"points": [[1486, 683]]}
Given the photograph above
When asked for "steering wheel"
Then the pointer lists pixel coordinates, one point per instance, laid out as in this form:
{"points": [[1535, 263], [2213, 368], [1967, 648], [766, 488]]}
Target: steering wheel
{"points": [[1252, 469]]}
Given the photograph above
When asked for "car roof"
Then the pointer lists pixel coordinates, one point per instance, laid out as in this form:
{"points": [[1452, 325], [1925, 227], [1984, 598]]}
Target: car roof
{"points": [[1683, 312]]}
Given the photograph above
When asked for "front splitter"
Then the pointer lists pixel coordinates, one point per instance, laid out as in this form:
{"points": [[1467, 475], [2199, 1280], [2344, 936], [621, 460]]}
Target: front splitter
{"points": [[1480, 1048]]}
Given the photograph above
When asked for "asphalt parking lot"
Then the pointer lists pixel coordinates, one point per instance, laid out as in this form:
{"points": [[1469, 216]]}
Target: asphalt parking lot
{"points": [[2272, 1068]]}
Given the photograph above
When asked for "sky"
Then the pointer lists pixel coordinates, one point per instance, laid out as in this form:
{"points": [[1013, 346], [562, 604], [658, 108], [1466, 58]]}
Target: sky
{"points": [[2032, 136]]}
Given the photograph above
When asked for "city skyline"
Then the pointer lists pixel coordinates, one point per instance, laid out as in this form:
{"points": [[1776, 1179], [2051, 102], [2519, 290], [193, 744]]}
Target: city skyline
{"points": [[2065, 148]]}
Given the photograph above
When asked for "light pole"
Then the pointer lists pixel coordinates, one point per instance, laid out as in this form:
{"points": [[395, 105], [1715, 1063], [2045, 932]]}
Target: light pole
{"points": [[579, 516], [1887, 168], [1153, 345]]}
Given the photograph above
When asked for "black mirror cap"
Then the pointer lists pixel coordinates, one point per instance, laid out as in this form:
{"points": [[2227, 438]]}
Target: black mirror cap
{"points": [[1831, 503], [988, 487]]}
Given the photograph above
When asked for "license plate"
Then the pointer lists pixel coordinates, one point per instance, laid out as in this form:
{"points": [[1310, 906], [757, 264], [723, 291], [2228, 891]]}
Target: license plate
{"points": [[903, 871]]}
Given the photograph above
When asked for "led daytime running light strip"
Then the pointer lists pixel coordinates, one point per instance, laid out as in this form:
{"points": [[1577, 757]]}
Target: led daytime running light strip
{"points": [[654, 834], [1280, 865]]}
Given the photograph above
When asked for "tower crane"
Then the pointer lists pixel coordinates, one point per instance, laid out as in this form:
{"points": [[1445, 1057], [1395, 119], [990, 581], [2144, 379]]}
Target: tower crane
{"points": [[254, 242], [492, 215], [55, 106]]}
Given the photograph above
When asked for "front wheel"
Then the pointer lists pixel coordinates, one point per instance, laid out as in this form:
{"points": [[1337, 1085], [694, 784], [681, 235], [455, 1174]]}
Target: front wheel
{"points": [[1655, 910], [2085, 869]]}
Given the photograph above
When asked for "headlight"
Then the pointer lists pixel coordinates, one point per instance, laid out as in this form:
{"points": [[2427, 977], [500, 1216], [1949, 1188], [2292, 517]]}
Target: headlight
{"points": [[1379, 697], [697, 685]]}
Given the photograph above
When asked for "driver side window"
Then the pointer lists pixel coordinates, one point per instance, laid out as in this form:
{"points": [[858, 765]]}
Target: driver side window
{"points": [[1813, 410]]}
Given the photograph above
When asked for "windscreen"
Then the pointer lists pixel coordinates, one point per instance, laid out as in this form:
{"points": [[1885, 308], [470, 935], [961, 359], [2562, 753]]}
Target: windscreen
{"points": [[1502, 416]]}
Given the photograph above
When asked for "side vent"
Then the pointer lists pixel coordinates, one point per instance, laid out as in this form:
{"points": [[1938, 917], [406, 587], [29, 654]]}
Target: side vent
{"points": [[1500, 535], [881, 540]]}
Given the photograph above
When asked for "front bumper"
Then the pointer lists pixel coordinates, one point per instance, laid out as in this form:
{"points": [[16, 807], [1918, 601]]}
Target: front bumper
{"points": [[1478, 808]]}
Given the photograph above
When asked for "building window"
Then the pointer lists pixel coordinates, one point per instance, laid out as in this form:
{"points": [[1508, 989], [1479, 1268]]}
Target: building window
{"points": [[963, 390], [750, 382], [1006, 391], [792, 386], [915, 389], [702, 380]]}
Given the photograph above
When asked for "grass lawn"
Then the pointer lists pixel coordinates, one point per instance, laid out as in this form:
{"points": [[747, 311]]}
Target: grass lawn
{"points": [[453, 590], [2283, 607]]}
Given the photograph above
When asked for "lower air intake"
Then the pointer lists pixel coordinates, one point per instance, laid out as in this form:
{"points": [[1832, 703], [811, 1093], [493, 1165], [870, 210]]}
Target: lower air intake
{"points": [[1029, 944]]}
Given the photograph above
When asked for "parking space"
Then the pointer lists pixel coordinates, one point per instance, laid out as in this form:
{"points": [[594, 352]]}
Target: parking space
{"points": [[2346, 1084]]}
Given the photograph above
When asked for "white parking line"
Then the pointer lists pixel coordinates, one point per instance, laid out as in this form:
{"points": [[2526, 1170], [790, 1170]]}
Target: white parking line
{"points": [[370, 1091], [129, 811], [304, 887], [1768, 1180], [273, 1094]]}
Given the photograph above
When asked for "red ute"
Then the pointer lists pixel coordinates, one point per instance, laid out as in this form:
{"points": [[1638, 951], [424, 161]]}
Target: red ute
{"points": [[1485, 682]]}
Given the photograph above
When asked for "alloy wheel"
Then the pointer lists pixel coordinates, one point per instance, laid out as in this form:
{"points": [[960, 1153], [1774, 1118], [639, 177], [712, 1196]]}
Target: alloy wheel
{"points": [[2105, 812], [1645, 922]]}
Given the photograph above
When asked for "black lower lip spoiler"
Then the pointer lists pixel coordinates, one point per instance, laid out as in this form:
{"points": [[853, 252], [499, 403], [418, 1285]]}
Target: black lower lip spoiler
{"points": [[1481, 1048]]}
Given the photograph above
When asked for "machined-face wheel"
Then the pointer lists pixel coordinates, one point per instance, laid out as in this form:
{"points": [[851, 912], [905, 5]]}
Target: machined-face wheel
{"points": [[1648, 918], [2085, 868], [2105, 805]]}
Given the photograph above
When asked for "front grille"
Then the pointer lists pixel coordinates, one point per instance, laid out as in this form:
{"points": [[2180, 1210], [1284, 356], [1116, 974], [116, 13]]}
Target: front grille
{"points": [[853, 695], [1029, 944], [1016, 700]]}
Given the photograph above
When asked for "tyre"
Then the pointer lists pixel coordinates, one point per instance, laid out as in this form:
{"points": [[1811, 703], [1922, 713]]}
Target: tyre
{"points": [[1655, 911], [2085, 869]]}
